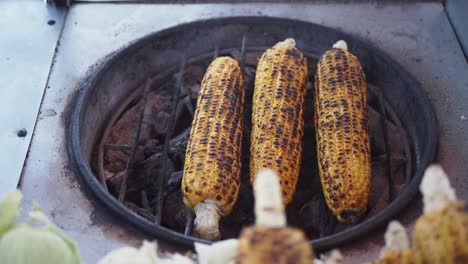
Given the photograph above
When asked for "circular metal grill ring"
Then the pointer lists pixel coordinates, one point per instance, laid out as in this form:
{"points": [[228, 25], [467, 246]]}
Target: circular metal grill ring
{"points": [[126, 69]]}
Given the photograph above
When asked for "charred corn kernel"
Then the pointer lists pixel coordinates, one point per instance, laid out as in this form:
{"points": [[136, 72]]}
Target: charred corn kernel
{"points": [[270, 241], [211, 179], [260, 245], [396, 257], [442, 235], [277, 122], [343, 145]]}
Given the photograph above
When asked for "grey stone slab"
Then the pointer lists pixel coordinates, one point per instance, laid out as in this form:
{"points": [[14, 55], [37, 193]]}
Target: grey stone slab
{"points": [[457, 11], [27, 44]]}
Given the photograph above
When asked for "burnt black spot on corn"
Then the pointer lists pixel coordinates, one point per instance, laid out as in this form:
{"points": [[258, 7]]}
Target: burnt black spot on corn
{"points": [[343, 146], [277, 121], [213, 159]]}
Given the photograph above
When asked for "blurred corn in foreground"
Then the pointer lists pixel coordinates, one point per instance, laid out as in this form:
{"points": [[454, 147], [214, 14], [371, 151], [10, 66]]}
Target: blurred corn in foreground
{"points": [[441, 233], [397, 247], [36, 241], [341, 121], [270, 241], [211, 179], [277, 109]]}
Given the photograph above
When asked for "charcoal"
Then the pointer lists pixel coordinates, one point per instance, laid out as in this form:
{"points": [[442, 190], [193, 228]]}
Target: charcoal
{"points": [[152, 168], [377, 135], [249, 79], [116, 166], [193, 76], [174, 212], [115, 180], [174, 181], [141, 211], [194, 89], [251, 58]]}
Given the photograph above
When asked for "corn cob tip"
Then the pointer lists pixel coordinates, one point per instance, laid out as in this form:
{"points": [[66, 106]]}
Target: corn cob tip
{"points": [[207, 215], [397, 247], [290, 41], [350, 215], [269, 208], [341, 44], [226, 59], [332, 257], [396, 238], [224, 251], [436, 189]]}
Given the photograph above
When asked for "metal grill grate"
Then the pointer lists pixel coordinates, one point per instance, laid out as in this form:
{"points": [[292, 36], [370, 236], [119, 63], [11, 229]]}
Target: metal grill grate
{"points": [[180, 99]]}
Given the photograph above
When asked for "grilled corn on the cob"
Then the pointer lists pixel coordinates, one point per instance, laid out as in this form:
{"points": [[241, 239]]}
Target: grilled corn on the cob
{"points": [[441, 233], [343, 145], [270, 241], [211, 179], [277, 122]]}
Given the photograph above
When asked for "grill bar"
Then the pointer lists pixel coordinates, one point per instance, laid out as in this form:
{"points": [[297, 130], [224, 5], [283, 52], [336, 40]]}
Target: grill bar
{"points": [[388, 152], [216, 52], [243, 46], [162, 179], [127, 148], [144, 201], [406, 144], [189, 222], [136, 137], [392, 116]]}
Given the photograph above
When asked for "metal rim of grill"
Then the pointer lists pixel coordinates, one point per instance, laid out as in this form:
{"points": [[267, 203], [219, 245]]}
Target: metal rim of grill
{"points": [[420, 147]]}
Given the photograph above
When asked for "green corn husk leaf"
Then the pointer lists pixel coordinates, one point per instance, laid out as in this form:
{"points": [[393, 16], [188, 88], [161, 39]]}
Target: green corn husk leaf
{"points": [[30, 244], [9, 210]]}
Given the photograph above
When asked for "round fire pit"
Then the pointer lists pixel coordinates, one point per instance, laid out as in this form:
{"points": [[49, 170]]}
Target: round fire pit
{"points": [[130, 125]]}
